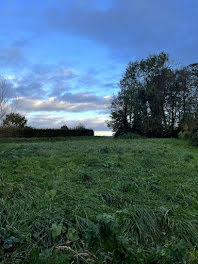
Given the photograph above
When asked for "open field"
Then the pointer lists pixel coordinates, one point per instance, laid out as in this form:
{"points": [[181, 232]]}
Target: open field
{"points": [[98, 199]]}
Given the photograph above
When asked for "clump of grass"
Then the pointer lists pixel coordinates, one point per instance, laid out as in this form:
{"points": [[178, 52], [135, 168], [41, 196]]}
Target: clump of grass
{"points": [[146, 227], [112, 199], [188, 157], [86, 177], [104, 150]]}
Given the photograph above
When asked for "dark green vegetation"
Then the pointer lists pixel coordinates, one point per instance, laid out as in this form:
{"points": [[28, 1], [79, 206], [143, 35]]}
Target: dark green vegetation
{"points": [[14, 120], [156, 98], [98, 200], [14, 126], [29, 132]]}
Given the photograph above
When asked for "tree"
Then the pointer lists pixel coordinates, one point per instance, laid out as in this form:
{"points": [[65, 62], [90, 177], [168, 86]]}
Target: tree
{"points": [[3, 98], [80, 126], [118, 121], [154, 97], [14, 120], [64, 127], [141, 97]]}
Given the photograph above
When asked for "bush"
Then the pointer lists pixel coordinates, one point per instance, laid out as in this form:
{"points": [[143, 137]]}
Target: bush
{"points": [[33, 132], [80, 127], [194, 139], [188, 126], [121, 131], [64, 127], [183, 135]]}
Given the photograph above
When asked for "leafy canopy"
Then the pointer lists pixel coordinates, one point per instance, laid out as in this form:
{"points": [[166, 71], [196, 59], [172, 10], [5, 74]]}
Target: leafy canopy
{"points": [[154, 97], [14, 120]]}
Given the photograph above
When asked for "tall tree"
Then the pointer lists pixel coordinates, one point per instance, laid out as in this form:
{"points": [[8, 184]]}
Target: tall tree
{"points": [[154, 71], [154, 97]]}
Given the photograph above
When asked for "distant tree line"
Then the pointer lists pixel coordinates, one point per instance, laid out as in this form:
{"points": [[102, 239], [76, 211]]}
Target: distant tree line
{"points": [[155, 98], [15, 125]]}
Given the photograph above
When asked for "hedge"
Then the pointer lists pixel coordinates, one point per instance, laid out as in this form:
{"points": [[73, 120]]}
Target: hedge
{"points": [[34, 132]]}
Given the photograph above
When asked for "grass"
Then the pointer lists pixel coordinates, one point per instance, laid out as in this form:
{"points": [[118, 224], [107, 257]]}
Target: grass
{"points": [[59, 197]]}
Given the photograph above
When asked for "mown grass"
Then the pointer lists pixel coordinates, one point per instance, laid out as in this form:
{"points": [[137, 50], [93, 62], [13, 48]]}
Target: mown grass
{"points": [[80, 199]]}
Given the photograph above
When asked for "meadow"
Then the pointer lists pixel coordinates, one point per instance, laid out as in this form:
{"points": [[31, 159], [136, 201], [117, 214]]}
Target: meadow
{"points": [[98, 200]]}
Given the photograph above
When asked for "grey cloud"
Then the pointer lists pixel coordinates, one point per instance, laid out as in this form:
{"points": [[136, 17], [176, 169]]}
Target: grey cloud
{"points": [[52, 104], [32, 89], [55, 81], [44, 80], [116, 25], [28, 86], [133, 28], [60, 80], [53, 121], [111, 85], [85, 98], [88, 79], [53, 72]]}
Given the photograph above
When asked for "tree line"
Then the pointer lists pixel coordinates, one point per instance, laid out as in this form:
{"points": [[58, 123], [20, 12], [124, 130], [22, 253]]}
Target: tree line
{"points": [[15, 125], [155, 97]]}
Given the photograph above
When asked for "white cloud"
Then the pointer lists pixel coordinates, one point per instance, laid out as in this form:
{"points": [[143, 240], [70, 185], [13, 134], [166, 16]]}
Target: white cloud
{"points": [[10, 77], [53, 104], [54, 120]]}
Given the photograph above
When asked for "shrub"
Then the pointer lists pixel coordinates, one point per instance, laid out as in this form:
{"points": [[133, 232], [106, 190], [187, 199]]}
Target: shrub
{"points": [[64, 127], [194, 139], [33, 132], [184, 135], [7, 242], [80, 127], [189, 126], [121, 131]]}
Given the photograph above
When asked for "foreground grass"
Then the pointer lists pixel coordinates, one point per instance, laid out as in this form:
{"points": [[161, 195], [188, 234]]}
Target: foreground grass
{"points": [[98, 199]]}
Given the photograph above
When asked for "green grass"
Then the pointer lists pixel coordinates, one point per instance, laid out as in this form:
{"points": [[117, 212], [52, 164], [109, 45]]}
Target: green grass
{"points": [[59, 199]]}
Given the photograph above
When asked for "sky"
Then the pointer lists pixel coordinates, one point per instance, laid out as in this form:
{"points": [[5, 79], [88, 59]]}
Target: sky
{"points": [[63, 59]]}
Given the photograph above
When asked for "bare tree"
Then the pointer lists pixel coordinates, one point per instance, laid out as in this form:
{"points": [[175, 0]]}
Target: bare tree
{"points": [[4, 96]]}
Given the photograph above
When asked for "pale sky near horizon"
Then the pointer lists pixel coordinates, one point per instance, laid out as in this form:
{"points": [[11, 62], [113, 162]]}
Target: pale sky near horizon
{"points": [[103, 133], [63, 59]]}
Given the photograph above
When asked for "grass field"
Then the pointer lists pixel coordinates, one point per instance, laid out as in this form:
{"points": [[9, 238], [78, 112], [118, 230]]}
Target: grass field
{"points": [[98, 200]]}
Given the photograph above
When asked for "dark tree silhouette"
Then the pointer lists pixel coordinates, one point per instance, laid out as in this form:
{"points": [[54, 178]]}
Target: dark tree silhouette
{"points": [[154, 97], [14, 120]]}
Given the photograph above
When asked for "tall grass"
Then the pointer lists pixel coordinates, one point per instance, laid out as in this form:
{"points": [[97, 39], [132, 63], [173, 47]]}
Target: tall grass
{"points": [[99, 200]]}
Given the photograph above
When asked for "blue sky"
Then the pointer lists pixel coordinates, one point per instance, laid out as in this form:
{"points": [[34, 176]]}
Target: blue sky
{"points": [[63, 59]]}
